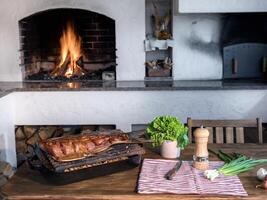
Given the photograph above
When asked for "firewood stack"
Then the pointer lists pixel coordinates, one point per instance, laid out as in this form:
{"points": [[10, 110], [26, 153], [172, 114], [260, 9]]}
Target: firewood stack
{"points": [[28, 136], [6, 172]]}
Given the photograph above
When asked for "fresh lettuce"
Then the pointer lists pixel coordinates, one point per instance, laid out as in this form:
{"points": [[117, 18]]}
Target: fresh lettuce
{"points": [[167, 128]]}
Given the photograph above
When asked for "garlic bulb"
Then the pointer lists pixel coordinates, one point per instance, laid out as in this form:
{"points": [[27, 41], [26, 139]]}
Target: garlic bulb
{"points": [[261, 173], [211, 174]]}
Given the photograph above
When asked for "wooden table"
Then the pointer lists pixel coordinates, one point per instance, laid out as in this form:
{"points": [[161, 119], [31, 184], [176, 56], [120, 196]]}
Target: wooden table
{"points": [[28, 184]]}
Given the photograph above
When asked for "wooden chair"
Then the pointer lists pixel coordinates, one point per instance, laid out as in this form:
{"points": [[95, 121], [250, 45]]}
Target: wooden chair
{"points": [[221, 130]]}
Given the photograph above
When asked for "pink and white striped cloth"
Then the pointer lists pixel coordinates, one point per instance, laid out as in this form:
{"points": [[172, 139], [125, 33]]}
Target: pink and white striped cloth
{"points": [[188, 180]]}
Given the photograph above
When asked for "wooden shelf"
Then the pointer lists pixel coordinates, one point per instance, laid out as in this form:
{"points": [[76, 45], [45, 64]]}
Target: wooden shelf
{"points": [[153, 44]]}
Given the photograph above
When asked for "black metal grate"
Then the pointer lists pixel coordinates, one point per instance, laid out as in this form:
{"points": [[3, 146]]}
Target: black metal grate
{"points": [[116, 153]]}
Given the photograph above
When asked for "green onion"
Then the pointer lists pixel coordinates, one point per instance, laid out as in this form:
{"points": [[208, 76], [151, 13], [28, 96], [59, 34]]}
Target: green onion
{"points": [[234, 167], [226, 157]]}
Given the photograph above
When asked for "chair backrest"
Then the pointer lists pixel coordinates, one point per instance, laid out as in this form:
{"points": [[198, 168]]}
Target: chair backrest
{"points": [[232, 131]]}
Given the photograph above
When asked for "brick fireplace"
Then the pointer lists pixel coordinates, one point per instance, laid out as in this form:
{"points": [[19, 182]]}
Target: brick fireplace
{"points": [[110, 31], [124, 16], [42, 44]]}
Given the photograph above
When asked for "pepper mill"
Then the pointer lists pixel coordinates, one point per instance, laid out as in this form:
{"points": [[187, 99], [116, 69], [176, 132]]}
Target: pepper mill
{"points": [[201, 157]]}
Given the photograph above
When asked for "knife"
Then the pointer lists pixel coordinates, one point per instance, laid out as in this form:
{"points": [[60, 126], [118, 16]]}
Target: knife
{"points": [[170, 174]]}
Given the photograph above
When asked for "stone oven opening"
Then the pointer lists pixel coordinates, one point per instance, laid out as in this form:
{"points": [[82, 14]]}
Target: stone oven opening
{"points": [[244, 41], [67, 44]]}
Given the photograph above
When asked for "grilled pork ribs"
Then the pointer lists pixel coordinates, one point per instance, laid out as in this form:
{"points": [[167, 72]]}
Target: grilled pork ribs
{"points": [[72, 148]]}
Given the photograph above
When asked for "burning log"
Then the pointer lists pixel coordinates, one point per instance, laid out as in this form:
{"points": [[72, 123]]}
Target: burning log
{"points": [[68, 69], [61, 70], [79, 62], [71, 55], [78, 71]]}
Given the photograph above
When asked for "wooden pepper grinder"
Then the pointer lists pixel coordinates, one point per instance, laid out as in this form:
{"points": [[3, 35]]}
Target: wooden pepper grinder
{"points": [[201, 157]]}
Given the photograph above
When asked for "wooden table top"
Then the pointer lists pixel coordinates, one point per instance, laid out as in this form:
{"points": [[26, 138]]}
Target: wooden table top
{"points": [[29, 184]]}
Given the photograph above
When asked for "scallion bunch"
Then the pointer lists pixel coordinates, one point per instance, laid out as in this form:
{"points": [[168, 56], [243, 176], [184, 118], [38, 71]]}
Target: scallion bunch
{"points": [[234, 167]]}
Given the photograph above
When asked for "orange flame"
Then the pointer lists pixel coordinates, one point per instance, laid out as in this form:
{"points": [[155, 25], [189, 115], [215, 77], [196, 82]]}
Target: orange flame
{"points": [[70, 53]]}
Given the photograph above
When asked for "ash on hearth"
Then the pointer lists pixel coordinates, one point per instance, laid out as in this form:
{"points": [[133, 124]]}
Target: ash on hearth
{"points": [[94, 76]]}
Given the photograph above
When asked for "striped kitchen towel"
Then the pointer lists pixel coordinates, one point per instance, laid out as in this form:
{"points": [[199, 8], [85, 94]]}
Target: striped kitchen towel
{"points": [[188, 180]]}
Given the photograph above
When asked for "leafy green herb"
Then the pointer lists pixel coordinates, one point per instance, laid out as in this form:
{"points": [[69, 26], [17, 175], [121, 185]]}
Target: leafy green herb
{"points": [[167, 128]]}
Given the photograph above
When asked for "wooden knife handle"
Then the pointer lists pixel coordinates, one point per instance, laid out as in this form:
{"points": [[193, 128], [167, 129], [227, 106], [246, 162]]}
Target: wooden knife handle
{"points": [[170, 174]]}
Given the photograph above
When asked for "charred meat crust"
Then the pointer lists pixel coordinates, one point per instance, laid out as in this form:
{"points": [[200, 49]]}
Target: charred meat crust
{"points": [[77, 147]]}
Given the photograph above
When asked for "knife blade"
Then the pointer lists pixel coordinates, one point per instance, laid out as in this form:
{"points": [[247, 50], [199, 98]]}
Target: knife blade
{"points": [[170, 174]]}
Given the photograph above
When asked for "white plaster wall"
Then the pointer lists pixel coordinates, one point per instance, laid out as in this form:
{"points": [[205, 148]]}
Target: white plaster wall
{"points": [[7, 129], [197, 52], [124, 108], [220, 6], [130, 32]]}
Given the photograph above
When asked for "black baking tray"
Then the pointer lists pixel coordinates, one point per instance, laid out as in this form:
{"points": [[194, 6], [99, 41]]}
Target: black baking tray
{"points": [[55, 173], [57, 179]]}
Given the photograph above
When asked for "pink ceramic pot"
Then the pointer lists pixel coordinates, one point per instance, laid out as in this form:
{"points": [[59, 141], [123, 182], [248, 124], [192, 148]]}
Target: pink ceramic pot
{"points": [[170, 150]]}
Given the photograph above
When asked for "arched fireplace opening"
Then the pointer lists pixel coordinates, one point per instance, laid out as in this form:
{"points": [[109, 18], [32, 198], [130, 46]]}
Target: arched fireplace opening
{"points": [[67, 44]]}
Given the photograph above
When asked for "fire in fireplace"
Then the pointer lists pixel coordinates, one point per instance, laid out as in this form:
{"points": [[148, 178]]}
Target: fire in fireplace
{"points": [[67, 44], [70, 54]]}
